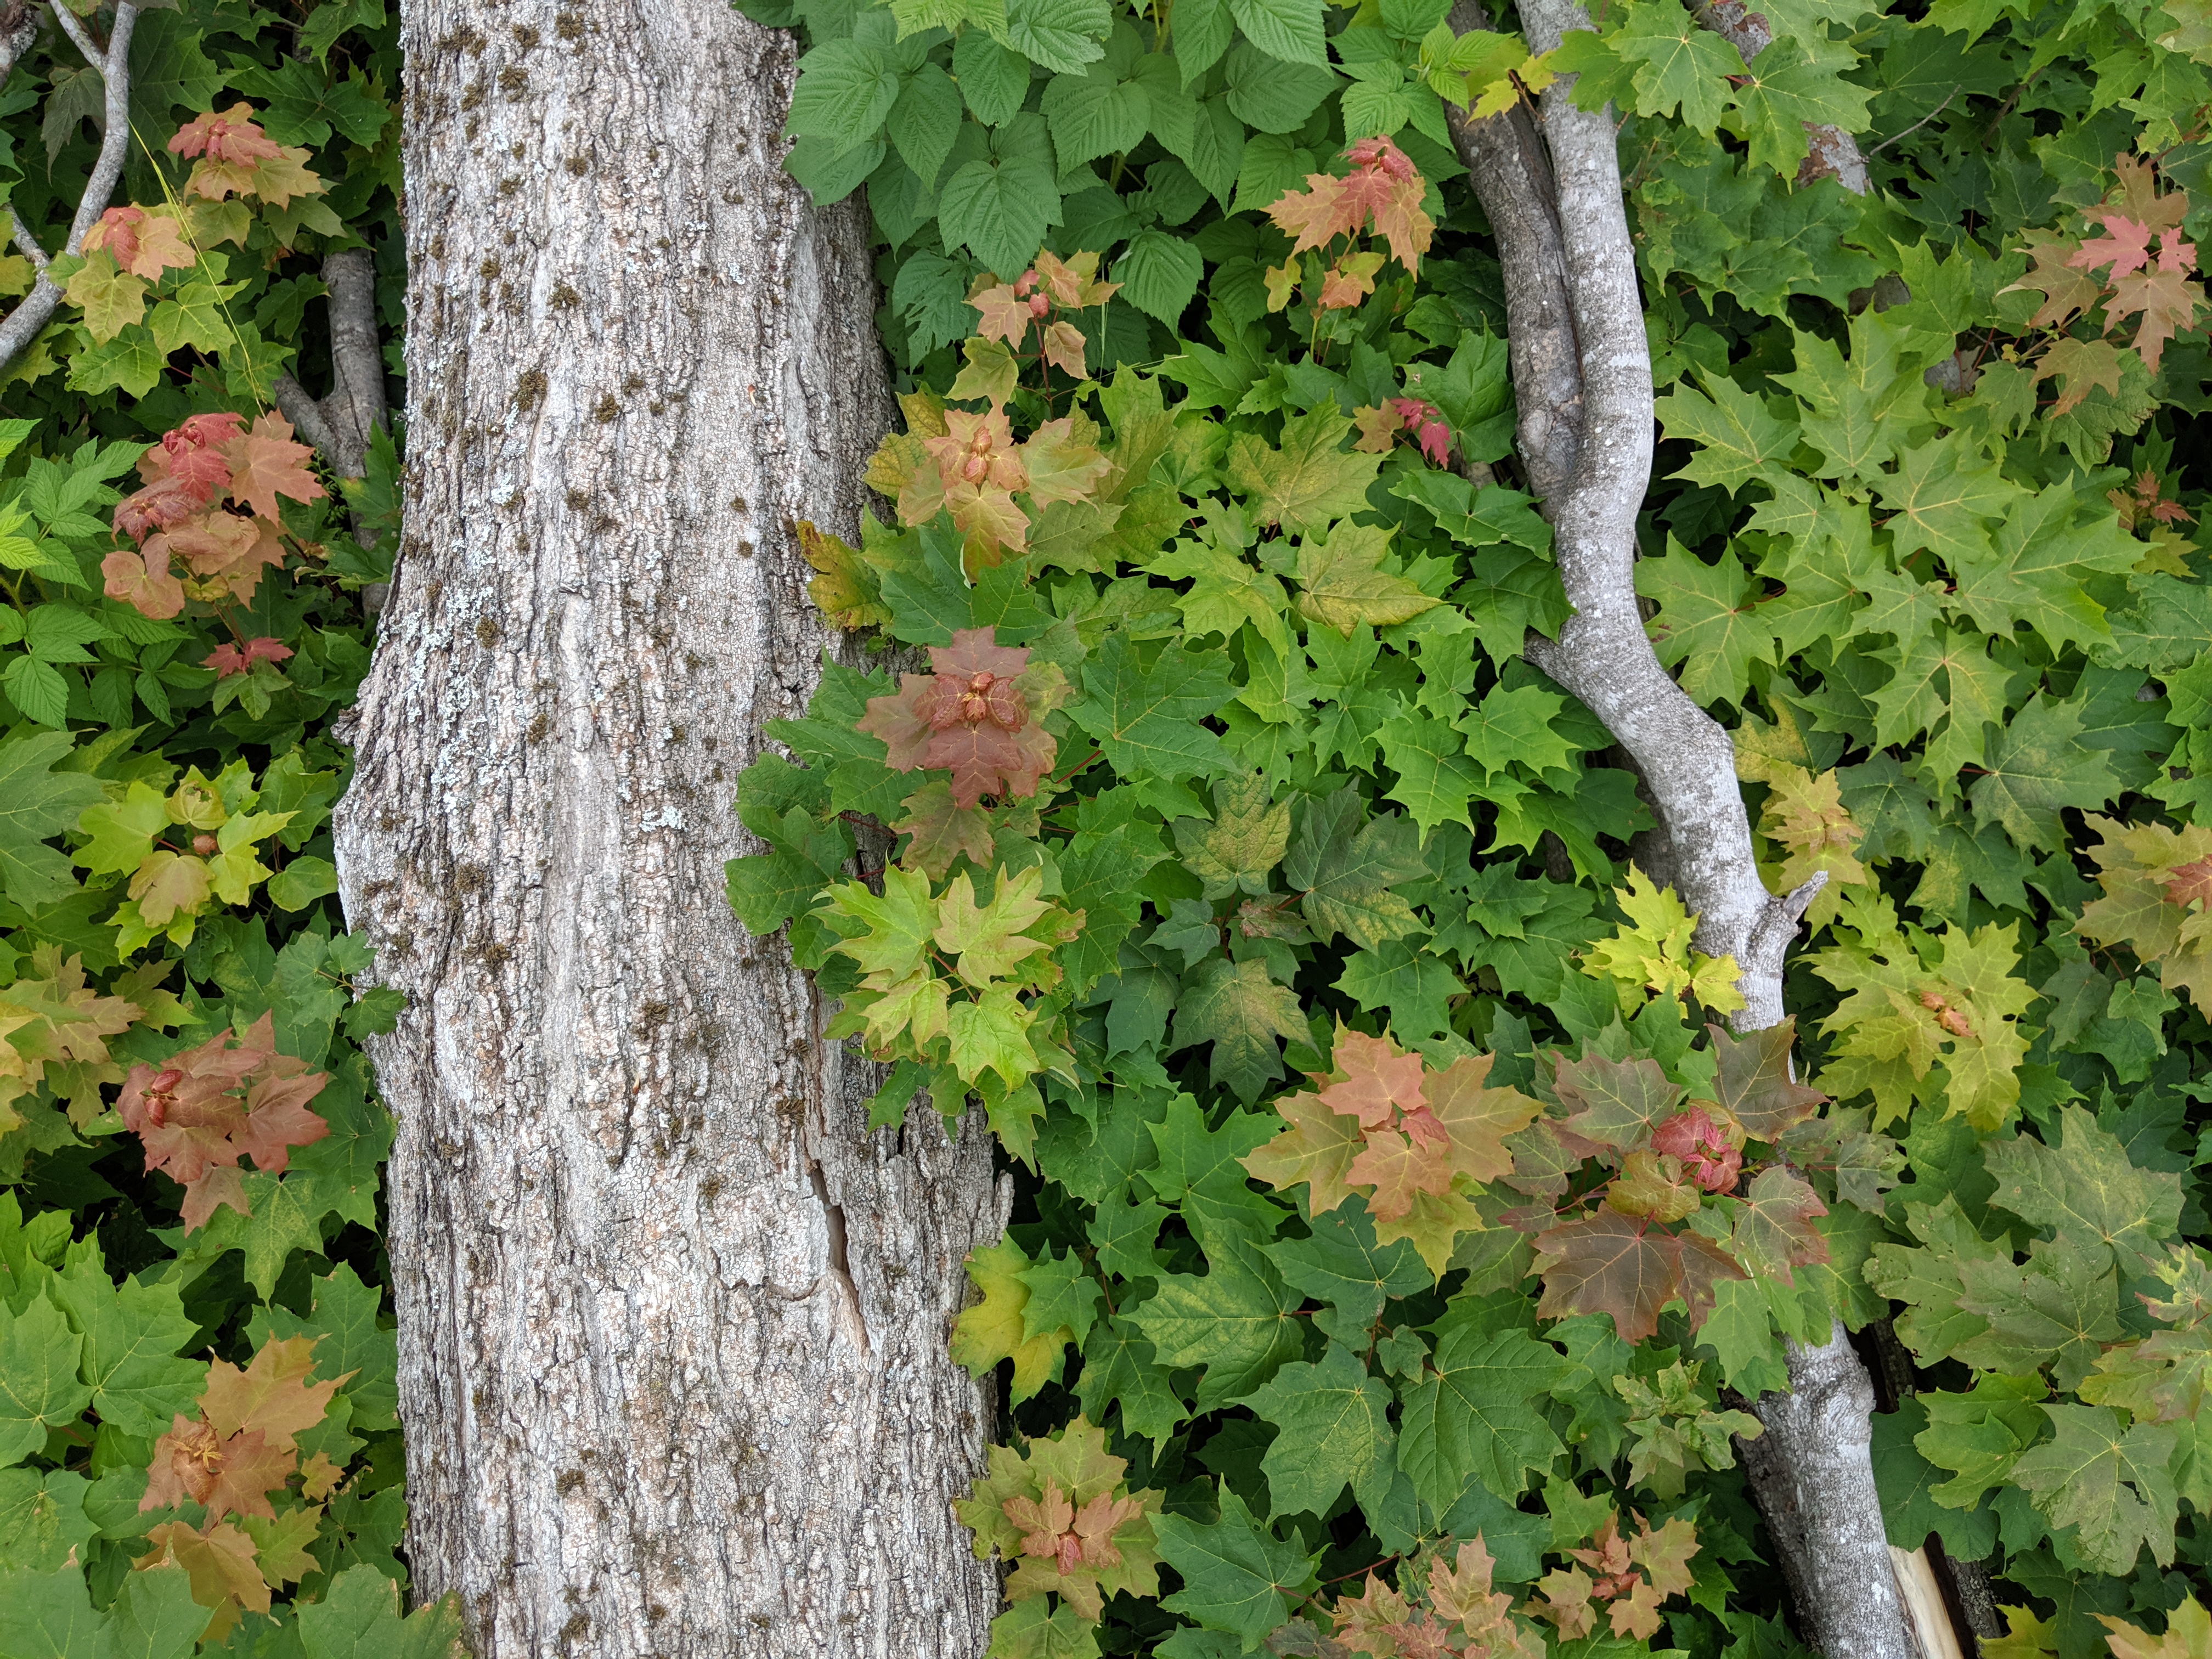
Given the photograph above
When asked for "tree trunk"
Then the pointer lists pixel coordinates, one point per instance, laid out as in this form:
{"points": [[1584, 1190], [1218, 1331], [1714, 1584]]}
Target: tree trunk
{"points": [[672, 1327]]}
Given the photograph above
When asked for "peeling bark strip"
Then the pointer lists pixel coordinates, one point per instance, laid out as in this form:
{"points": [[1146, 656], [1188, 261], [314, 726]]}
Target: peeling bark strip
{"points": [[672, 1327], [1563, 238]]}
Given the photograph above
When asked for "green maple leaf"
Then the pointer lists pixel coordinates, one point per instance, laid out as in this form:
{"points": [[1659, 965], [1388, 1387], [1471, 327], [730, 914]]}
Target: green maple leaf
{"points": [[2108, 1480], [113, 299], [1857, 412], [1784, 91], [39, 1387], [359, 1616], [1335, 1428], [1513, 726], [1148, 720], [1064, 1298], [2059, 1308], [1341, 1264], [1196, 1157], [2037, 763], [288, 1213], [1677, 63], [1929, 1280], [1309, 483], [2035, 570], [154, 1615], [1908, 1483], [996, 1328], [132, 1333], [1350, 875], [1943, 494], [1245, 842], [1240, 1010], [900, 922], [2085, 1185], [1100, 873], [990, 939], [1479, 1411], [1979, 1436], [1121, 1372], [47, 1613], [991, 1034], [1344, 584], [1238, 1320], [1225, 592], [1738, 439], [1708, 622], [1941, 670], [1237, 1576], [36, 802], [193, 316], [1437, 777]]}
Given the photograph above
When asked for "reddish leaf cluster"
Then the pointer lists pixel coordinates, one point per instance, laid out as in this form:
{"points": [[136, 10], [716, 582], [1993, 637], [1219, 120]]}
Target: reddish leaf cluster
{"points": [[1630, 1578], [1010, 310], [2189, 883], [1464, 1619], [974, 468], [1422, 423], [2145, 500], [235, 155], [2156, 286], [180, 513], [145, 244], [976, 717], [227, 660], [210, 1106], [1383, 192], [1382, 1125], [1667, 1157], [1054, 1529]]}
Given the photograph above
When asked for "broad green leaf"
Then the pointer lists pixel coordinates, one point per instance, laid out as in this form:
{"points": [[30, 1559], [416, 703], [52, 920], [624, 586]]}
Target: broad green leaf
{"points": [[1334, 1428], [1240, 1010], [1237, 1576], [1146, 716], [1308, 482], [1737, 438], [39, 1388], [1479, 1411], [36, 802]]}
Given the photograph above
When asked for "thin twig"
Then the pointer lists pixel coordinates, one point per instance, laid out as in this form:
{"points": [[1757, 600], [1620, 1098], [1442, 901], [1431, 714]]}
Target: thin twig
{"points": [[1916, 125], [33, 312]]}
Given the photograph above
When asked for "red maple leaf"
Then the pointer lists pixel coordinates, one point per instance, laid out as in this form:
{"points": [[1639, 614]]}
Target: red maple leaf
{"points": [[1427, 423], [1373, 1081], [1708, 1156], [2125, 246], [1383, 190], [1614, 1103], [971, 717], [231, 135], [226, 659], [169, 500], [2167, 299], [1005, 313], [231, 1474], [2189, 883], [142, 582], [143, 244], [1755, 1083], [266, 463]]}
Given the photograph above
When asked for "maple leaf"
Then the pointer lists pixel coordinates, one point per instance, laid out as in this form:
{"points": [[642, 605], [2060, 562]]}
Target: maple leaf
{"points": [[1074, 280], [2080, 366], [1061, 1508], [222, 1562], [1610, 1263], [1477, 1116], [1614, 1103], [1650, 1185], [1367, 1622], [990, 939], [2152, 875], [1372, 1079], [1805, 815], [2125, 246], [2068, 290], [1754, 1081], [939, 831], [1707, 1154], [1566, 1603], [1774, 1229], [846, 589], [1063, 346], [1062, 465], [2188, 1635], [2189, 883], [265, 463], [972, 717], [1383, 190], [270, 1395], [145, 244], [1348, 280], [228, 659], [1398, 1167], [1007, 313], [2165, 298], [230, 1474], [1318, 1149], [993, 1329], [229, 136]]}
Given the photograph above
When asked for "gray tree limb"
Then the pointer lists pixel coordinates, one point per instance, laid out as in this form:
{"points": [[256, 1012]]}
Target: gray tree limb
{"points": [[36, 308], [1815, 1474]]}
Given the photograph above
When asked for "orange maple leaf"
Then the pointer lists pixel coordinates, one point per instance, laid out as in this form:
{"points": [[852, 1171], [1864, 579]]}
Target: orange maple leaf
{"points": [[266, 463]]}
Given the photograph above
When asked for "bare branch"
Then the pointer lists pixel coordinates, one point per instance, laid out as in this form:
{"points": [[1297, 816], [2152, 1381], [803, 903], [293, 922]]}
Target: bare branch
{"points": [[1834, 153], [18, 40], [1512, 177], [28, 244], [355, 407], [37, 307], [298, 406]]}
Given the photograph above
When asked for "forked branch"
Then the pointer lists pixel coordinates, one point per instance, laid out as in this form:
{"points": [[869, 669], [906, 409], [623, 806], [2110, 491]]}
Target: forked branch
{"points": [[36, 308], [1582, 377]]}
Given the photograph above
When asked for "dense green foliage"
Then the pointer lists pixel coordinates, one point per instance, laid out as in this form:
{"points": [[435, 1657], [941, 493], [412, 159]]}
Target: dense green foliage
{"points": [[198, 1426], [1229, 767]]}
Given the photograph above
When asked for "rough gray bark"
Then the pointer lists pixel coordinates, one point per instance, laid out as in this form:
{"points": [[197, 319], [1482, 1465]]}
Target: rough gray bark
{"points": [[35, 309], [673, 1326], [1813, 1469]]}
